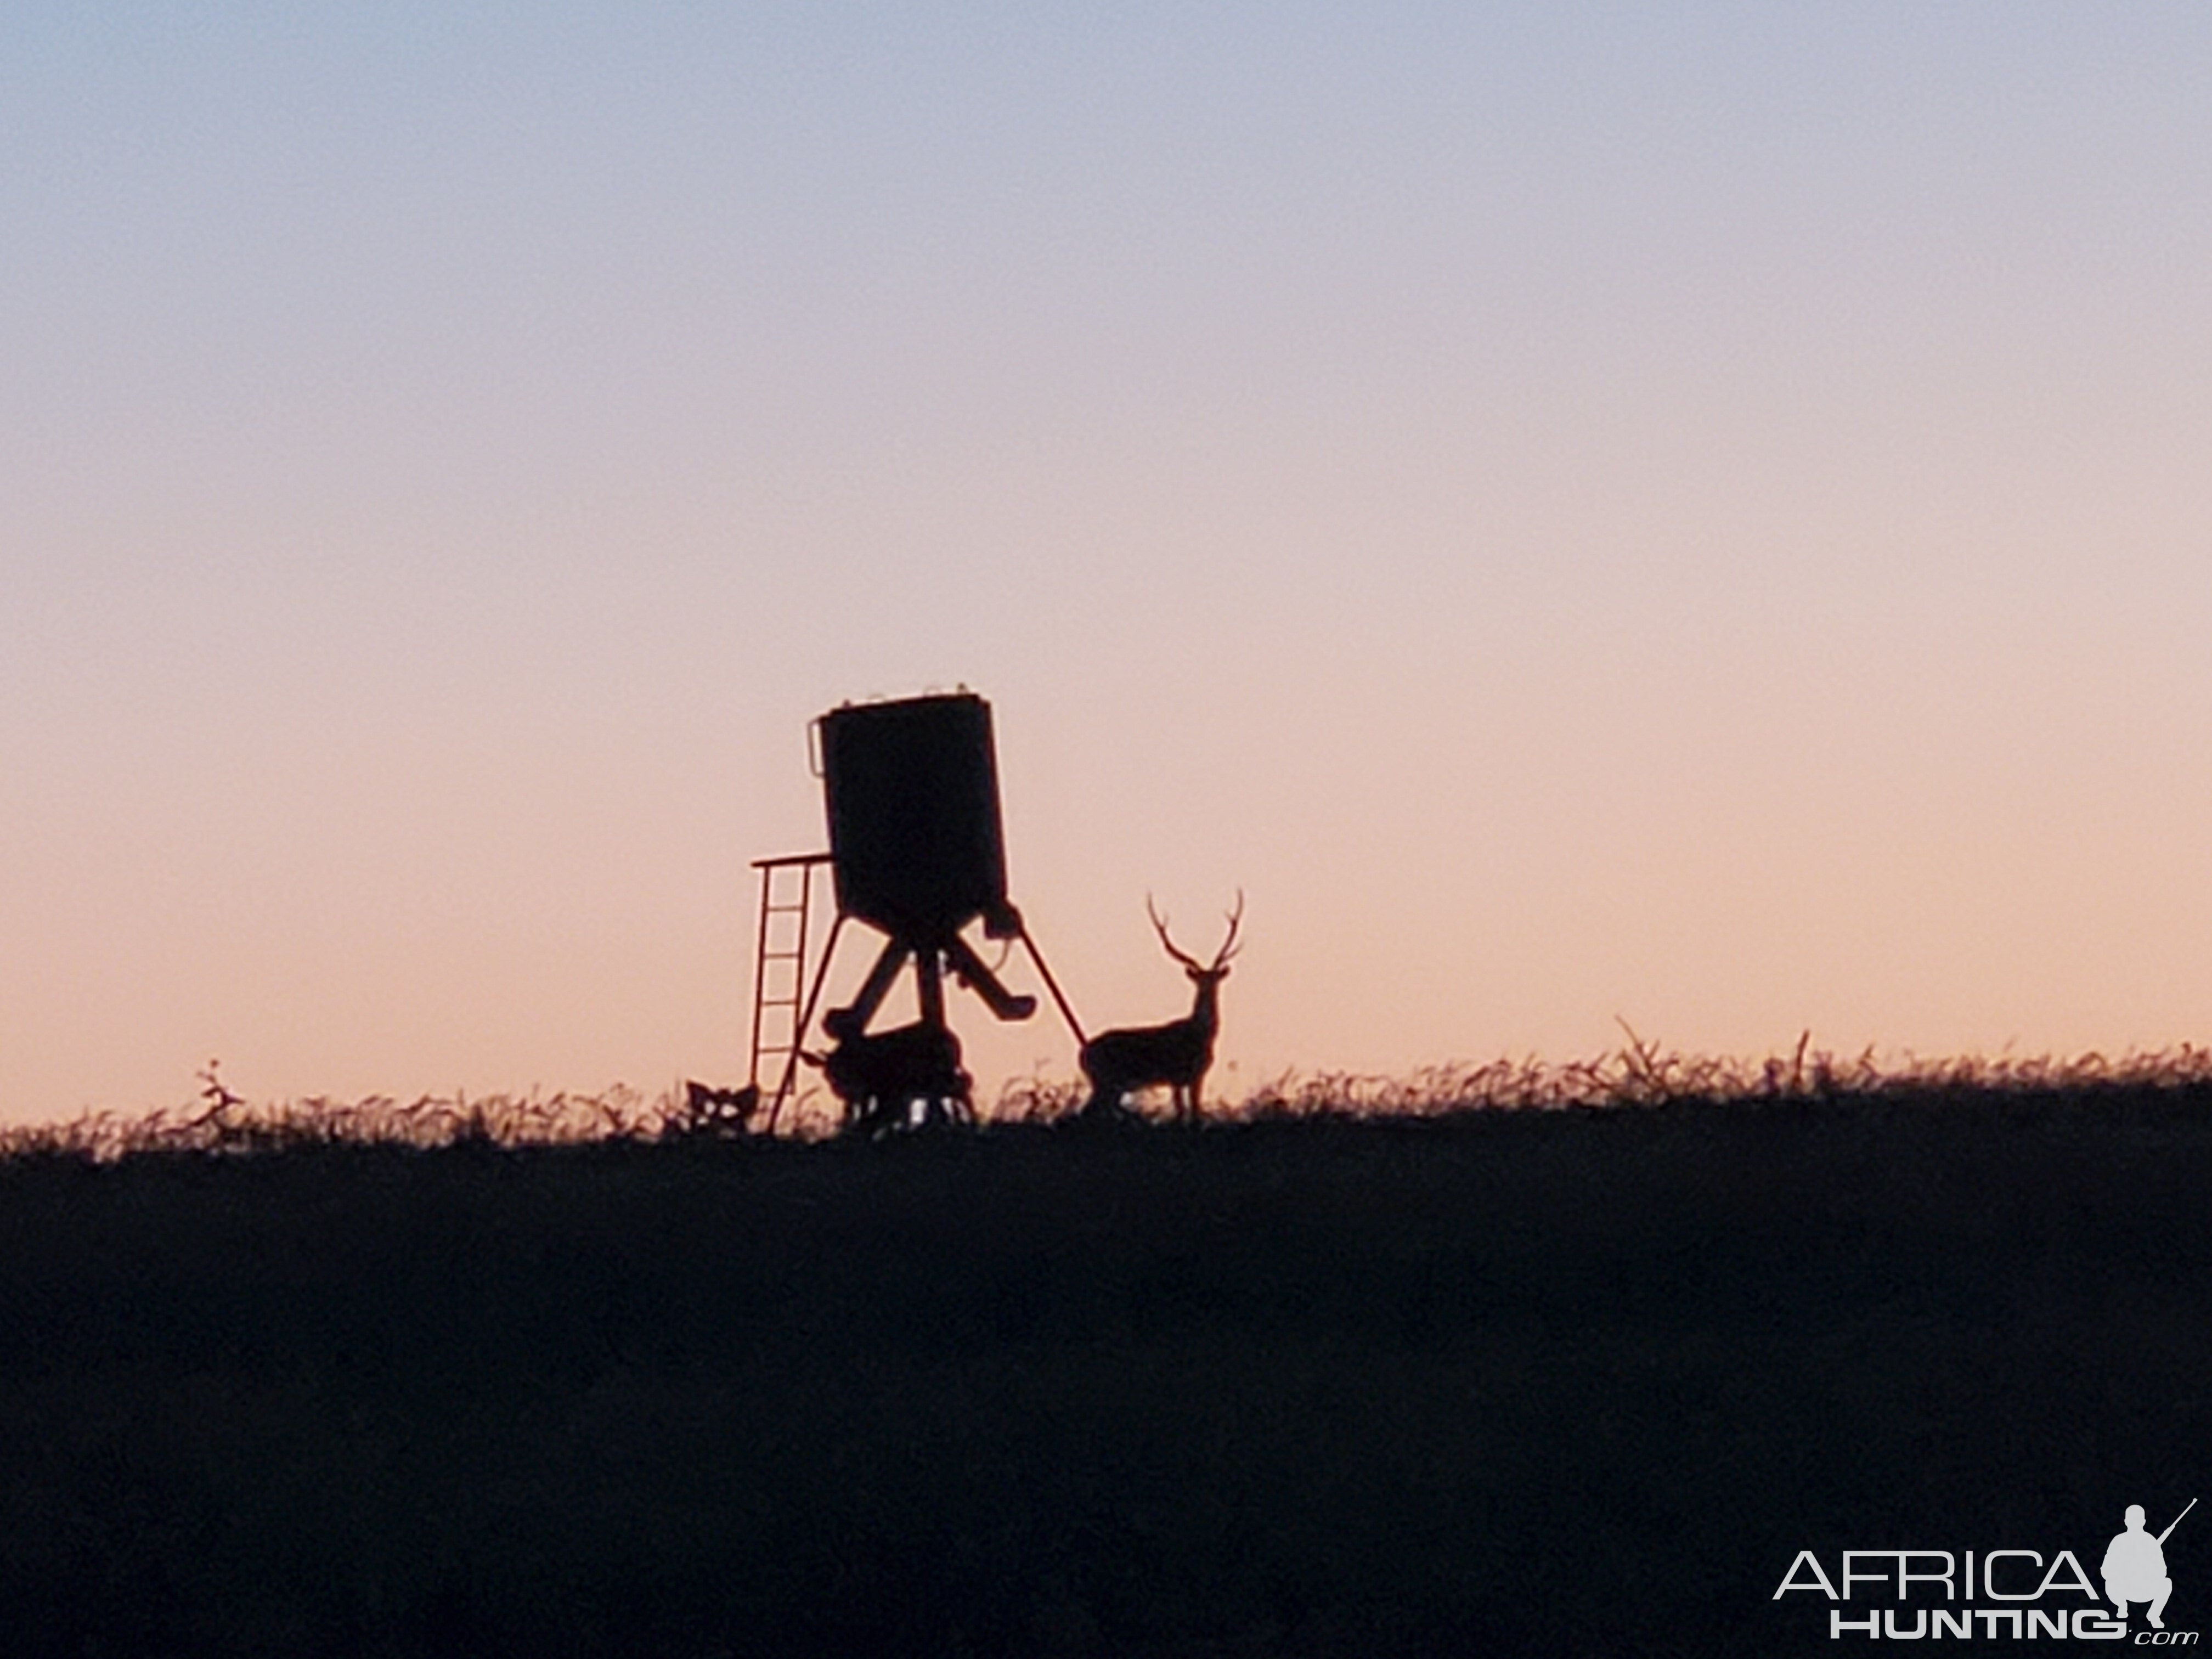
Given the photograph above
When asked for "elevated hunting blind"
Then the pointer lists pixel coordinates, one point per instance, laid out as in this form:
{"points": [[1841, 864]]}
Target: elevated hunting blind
{"points": [[917, 852], [911, 790]]}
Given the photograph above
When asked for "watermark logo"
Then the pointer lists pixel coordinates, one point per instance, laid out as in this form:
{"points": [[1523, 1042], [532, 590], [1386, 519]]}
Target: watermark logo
{"points": [[2135, 1566], [2030, 1592]]}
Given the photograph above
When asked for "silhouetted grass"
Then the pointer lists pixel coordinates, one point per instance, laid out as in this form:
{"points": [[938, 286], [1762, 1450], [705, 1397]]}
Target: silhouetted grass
{"points": [[1371, 1367], [1639, 1074]]}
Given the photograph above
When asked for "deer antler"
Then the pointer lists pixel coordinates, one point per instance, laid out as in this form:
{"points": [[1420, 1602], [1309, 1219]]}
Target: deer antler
{"points": [[1229, 943], [1160, 926], [1220, 957]]}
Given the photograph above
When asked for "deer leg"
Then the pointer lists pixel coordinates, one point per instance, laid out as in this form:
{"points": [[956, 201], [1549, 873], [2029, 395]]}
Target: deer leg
{"points": [[1107, 1096]]}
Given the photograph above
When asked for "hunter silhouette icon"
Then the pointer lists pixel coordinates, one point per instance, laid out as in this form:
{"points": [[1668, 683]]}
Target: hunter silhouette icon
{"points": [[2134, 1566]]}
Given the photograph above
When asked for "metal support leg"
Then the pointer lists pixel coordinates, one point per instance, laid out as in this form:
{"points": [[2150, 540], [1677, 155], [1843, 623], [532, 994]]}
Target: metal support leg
{"points": [[1052, 986]]}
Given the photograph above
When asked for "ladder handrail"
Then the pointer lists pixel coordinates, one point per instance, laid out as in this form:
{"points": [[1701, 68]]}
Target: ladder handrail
{"points": [[762, 956], [806, 1018]]}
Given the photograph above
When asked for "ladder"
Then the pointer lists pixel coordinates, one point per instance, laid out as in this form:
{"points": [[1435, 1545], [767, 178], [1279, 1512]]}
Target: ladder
{"points": [[780, 989]]}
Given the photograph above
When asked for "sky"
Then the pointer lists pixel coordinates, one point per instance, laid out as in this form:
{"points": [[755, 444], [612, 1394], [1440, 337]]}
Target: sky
{"points": [[1695, 514]]}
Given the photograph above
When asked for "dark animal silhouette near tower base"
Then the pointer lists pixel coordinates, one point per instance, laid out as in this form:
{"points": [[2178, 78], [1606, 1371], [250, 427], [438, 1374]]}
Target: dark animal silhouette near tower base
{"points": [[897, 1079], [1176, 1055]]}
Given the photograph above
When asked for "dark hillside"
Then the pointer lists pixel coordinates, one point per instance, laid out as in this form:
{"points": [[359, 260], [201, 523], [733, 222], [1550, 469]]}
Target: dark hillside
{"points": [[1559, 1382]]}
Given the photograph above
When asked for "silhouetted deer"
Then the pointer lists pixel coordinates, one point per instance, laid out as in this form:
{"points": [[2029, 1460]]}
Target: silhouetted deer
{"points": [[1177, 1054], [880, 1076]]}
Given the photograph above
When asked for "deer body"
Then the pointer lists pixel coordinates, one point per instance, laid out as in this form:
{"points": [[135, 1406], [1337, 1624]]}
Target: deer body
{"points": [[1175, 1056], [879, 1076]]}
